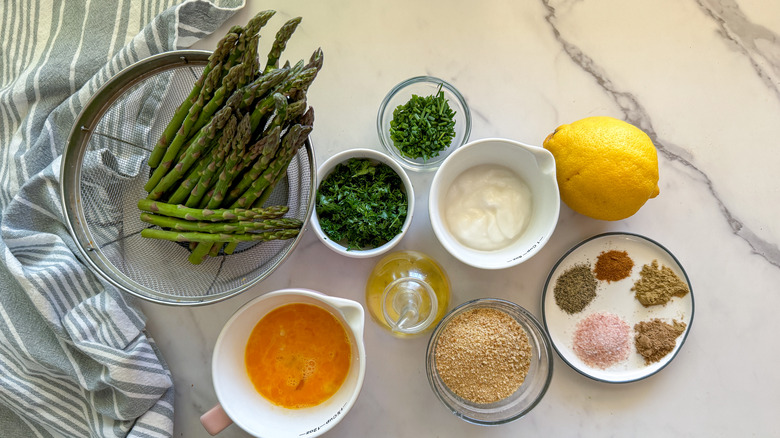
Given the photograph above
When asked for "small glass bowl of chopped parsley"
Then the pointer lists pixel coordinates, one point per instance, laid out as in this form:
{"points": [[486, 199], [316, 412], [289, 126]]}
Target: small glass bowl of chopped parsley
{"points": [[364, 203], [421, 121]]}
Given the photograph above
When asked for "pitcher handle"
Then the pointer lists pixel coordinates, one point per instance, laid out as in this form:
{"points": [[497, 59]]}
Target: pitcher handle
{"points": [[215, 420]]}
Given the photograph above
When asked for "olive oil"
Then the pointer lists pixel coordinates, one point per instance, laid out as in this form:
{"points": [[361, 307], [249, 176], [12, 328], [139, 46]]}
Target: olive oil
{"points": [[407, 293]]}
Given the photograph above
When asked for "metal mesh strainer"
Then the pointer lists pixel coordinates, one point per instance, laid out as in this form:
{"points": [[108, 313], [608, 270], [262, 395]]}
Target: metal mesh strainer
{"points": [[102, 177]]}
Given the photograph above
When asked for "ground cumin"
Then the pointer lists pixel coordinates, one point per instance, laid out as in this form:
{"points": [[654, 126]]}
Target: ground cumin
{"points": [[613, 265], [655, 339], [483, 355], [656, 286], [575, 288]]}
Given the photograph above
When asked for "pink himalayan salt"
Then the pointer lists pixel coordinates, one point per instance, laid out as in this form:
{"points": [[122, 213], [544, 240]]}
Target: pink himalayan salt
{"points": [[602, 340]]}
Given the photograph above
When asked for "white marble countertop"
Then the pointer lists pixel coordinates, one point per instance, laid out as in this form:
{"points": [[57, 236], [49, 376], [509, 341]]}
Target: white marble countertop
{"points": [[701, 77]]}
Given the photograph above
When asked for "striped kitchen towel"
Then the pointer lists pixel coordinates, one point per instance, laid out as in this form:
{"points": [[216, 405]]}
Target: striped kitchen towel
{"points": [[75, 359]]}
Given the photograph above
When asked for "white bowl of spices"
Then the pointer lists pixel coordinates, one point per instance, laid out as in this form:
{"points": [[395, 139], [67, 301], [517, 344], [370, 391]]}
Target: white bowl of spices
{"points": [[508, 365]]}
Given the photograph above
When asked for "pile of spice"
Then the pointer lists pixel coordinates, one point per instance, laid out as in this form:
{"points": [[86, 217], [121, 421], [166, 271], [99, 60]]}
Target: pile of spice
{"points": [[657, 285], [602, 340], [483, 355], [613, 265], [655, 339], [575, 288]]}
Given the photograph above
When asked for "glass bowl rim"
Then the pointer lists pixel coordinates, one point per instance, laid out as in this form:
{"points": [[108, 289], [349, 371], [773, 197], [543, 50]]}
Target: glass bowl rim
{"points": [[528, 321], [430, 165]]}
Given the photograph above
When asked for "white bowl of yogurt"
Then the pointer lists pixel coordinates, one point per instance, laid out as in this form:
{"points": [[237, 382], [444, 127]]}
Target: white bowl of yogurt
{"points": [[494, 203]]}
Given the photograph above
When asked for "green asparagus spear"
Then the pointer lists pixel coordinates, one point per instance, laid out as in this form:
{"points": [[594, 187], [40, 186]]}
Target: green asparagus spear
{"points": [[219, 227], [194, 236], [206, 177], [189, 183], [280, 43], [258, 166], [229, 84], [279, 164], [182, 134], [262, 148], [215, 60], [217, 215], [199, 252], [251, 29], [243, 134], [229, 171], [292, 84], [257, 22], [306, 120], [251, 60], [200, 144], [259, 88]]}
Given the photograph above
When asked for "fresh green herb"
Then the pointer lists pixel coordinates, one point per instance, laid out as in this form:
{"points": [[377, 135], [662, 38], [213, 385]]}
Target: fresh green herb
{"points": [[423, 126], [361, 203]]}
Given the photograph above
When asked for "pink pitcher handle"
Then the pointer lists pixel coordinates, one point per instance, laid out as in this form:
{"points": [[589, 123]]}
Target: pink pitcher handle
{"points": [[215, 420]]}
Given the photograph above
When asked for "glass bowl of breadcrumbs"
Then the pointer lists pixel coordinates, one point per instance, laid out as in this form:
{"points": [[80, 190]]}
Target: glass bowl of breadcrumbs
{"points": [[489, 361]]}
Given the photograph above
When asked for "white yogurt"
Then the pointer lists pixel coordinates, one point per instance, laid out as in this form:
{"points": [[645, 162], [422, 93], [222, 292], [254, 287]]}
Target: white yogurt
{"points": [[487, 207]]}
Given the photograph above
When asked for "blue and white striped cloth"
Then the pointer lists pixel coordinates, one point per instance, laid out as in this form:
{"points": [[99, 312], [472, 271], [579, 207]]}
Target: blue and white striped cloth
{"points": [[75, 360]]}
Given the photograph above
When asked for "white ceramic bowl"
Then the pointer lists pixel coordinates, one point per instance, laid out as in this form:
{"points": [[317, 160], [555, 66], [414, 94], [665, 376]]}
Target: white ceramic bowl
{"points": [[328, 166], [241, 404], [534, 165]]}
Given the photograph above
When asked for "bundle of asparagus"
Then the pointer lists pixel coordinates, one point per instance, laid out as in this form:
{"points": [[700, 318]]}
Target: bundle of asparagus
{"points": [[228, 144]]}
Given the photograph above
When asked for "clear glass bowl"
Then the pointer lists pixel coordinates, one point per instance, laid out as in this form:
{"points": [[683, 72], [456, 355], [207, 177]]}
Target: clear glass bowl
{"points": [[423, 86], [527, 395]]}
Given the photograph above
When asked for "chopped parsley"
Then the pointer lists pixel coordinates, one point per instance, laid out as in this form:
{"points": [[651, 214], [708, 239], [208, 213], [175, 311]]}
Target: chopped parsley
{"points": [[423, 126], [361, 204]]}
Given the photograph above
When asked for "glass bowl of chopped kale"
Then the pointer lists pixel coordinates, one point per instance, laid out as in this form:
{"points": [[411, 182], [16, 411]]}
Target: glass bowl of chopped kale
{"points": [[364, 203], [421, 121]]}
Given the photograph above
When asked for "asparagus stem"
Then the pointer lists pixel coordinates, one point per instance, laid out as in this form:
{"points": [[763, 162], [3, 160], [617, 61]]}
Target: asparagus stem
{"points": [[182, 134], [189, 183], [229, 84], [243, 134], [198, 253], [219, 227], [216, 215], [292, 140], [200, 144], [217, 57], [230, 169], [215, 165], [271, 144], [194, 236]]}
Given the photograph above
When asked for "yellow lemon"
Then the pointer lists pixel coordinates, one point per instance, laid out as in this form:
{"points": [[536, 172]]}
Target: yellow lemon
{"points": [[606, 168]]}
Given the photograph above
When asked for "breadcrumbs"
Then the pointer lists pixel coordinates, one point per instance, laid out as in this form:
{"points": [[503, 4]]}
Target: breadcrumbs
{"points": [[483, 355]]}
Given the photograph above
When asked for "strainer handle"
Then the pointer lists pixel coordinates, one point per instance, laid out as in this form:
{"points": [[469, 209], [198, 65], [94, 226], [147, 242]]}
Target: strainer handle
{"points": [[215, 420]]}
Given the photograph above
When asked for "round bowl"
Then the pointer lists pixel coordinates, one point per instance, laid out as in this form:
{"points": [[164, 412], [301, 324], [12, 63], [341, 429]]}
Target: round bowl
{"points": [[525, 398], [423, 86], [325, 170], [103, 174], [241, 404], [534, 165]]}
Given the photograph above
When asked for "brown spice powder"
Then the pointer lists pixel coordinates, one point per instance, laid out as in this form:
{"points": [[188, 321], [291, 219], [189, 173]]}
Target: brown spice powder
{"points": [[575, 288], [655, 339], [613, 265], [483, 355], [657, 285]]}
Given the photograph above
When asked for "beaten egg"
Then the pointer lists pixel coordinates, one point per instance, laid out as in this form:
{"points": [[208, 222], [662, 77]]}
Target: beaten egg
{"points": [[298, 355]]}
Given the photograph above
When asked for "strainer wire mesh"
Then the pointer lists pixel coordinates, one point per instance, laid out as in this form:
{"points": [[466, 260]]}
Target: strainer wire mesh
{"points": [[103, 173]]}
